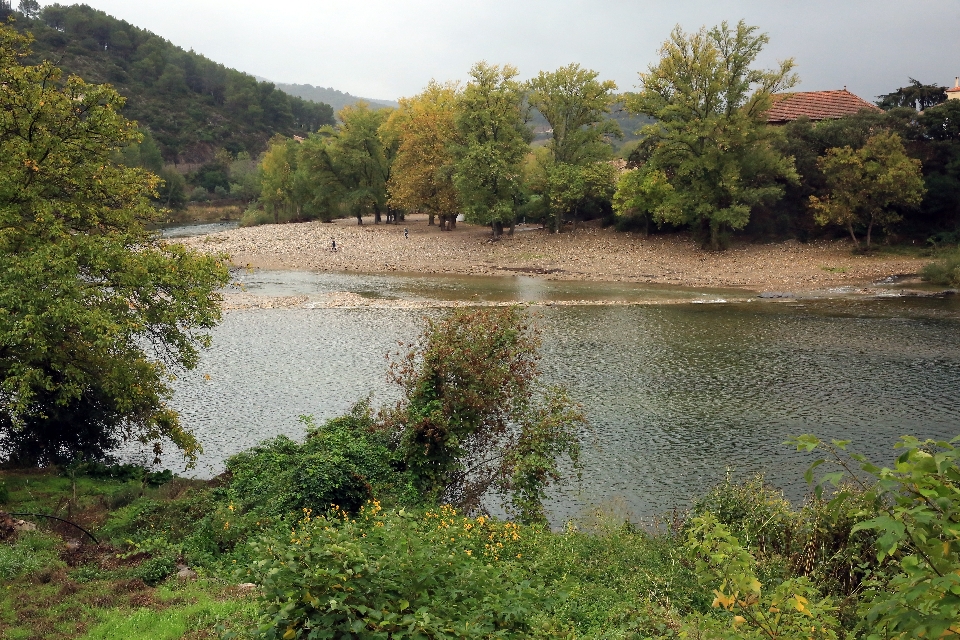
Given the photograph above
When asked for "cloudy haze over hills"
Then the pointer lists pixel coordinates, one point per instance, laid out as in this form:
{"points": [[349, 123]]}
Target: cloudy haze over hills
{"points": [[387, 49]]}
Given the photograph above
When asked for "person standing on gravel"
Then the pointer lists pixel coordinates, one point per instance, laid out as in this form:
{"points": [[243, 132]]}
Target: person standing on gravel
{"points": [[333, 246], [406, 233]]}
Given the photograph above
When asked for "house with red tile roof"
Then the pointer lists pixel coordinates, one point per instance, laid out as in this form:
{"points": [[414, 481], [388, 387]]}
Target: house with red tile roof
{"points": [[954, 94], [816, 105]]}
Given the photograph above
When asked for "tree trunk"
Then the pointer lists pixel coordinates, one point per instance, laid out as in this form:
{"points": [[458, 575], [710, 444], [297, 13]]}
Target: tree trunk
{"points": [[453, 222], [376, 215], [513, 225], [856, 243], [360, 219], [432, 216], [869, 230], [497, 228]]}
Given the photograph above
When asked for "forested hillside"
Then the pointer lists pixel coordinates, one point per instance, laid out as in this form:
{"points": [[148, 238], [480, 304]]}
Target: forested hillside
{"points": [[336, 99], [191, 105]]}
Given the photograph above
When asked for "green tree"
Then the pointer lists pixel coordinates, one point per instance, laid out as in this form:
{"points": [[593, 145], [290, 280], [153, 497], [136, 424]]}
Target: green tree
{"points": [[494, 139], [916, 95], [867, 186], [473, 417], [643, 194], [29, 8], [710, 137], [363, 160], [96, 311], [575, 104]]}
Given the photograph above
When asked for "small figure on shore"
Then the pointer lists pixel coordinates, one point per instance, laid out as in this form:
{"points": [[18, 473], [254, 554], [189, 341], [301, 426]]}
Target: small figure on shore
{"points": [[406, 234], [333, 246]]}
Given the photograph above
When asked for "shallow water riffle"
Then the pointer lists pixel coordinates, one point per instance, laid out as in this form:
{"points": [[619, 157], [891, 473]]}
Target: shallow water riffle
{"points": [[446, 288], [676, 395]]}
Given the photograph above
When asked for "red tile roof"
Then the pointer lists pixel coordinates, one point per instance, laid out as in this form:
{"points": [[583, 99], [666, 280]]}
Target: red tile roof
{"points": [[816, 105]]}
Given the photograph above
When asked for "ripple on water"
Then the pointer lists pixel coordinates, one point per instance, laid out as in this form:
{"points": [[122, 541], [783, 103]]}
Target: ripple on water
{"points": [[675, 394]]}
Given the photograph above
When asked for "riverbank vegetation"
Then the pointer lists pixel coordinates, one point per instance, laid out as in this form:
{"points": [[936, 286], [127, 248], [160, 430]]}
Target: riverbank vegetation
{"points": [[96, 310], [877, 558], [708, 161]]}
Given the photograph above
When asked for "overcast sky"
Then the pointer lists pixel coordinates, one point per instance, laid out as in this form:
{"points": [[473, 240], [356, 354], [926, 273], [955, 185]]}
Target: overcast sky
{"points": [[392, 48]]}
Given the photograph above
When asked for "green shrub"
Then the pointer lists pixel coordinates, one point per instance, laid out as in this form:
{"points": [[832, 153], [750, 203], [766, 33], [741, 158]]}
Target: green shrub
{"points": [[945, 271], [155, 570], [382, 575], [343, 462], [32, 552], [757, 514], [4, 493]]}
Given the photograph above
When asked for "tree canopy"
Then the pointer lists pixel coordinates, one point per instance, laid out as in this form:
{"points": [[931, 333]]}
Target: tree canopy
{"points": [[575, 104], [710, 137], [426, 132], [493, 140], [867, 186], [96, 311]]}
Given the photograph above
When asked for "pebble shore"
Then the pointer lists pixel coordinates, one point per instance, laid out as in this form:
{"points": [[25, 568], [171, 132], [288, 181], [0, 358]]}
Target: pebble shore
{"points": [[589, 254]]}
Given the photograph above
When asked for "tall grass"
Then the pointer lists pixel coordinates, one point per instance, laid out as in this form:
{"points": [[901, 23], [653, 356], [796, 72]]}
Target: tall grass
{"points": [[945, 271]]}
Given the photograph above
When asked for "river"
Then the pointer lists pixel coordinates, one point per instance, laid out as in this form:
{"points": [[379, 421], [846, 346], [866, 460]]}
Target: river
{"points": [[677, 393]]}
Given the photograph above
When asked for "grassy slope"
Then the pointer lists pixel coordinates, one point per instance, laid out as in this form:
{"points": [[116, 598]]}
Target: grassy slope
{"points": [[98, 591]]}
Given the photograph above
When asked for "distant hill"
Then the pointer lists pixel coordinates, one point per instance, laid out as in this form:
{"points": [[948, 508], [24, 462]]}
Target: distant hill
{"points": [[191, 105], [336, 99]]}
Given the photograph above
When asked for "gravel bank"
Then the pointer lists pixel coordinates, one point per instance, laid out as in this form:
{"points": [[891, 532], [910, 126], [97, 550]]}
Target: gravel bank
{"points": [[590, 254]]}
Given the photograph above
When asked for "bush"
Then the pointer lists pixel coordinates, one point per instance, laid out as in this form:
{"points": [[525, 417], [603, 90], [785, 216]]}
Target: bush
{"points": [[4, 493], [255, 216], [383, 575], [943, 272], [343, 462]]}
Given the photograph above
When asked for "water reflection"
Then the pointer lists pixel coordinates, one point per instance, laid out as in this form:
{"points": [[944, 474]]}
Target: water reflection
{"points": [[676, 394]]}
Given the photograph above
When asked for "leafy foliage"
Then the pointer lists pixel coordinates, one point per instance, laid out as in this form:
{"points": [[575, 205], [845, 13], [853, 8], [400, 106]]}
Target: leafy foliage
{"points": [[472, 418], [393, 575], [494, 138], [710, 137], [792, 610], [341, 462], [95, 310], [918, 527], [575, 104], [424, 129], [865, 187], [945, 271]]}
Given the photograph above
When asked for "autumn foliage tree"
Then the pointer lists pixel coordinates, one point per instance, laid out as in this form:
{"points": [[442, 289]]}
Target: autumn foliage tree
{"points": [[422, 178], [96, 311]]}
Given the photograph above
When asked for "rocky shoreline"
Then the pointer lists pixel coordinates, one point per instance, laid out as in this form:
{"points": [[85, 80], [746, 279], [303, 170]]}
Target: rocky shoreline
{"points": [[589, 254]]}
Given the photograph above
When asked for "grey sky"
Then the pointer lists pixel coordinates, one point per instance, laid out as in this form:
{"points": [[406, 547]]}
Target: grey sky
{"points": [[391, 48]]}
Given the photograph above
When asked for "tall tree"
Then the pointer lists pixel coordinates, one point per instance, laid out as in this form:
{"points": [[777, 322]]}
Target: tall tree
{"points": [[710, 137], [96, 311], [422, 176], [575, 104], [493, 140], [364, 160], [868, 185], [915, 95]]}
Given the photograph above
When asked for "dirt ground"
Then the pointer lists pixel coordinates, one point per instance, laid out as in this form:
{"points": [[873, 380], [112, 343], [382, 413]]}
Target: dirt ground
{"points": [[588, 254]]}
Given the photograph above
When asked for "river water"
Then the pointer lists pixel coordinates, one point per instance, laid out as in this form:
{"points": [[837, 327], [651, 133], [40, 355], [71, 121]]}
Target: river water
{"points": [[677, 393]]}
